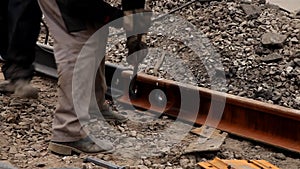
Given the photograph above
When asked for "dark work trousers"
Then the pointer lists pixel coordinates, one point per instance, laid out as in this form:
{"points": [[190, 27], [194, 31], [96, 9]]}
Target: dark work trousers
{"points": [[19, 29]]}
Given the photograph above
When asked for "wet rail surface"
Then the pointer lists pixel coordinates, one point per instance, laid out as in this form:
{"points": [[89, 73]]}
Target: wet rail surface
{"points": [[271, 124]]}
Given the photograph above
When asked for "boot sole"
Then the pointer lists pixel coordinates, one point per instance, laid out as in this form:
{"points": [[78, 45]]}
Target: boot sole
{"points": [[60, 149]]}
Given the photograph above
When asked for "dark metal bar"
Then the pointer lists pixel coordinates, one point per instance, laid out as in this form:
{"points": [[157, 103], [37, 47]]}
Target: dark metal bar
{"points": [[102, 163], [44, 60]]}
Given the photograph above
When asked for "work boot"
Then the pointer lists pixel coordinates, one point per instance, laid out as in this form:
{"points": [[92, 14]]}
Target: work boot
{"points": [[109, 115], [20, 88], [85, 145], [23, 89], [7, 87]]}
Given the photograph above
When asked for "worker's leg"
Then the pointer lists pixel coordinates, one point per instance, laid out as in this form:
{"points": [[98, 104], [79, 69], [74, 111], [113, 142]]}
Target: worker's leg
{"points": [[19, 29], [74, 89], [24, 18], [66, 125], [100, 90], [99, 107]]}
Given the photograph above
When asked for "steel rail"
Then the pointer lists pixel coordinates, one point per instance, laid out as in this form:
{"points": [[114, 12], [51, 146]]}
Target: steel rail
{"points": [[271, 124]]}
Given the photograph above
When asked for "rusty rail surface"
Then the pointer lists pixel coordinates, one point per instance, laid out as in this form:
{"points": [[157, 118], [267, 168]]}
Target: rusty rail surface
{"points": [[263, 122], [271, 124]]}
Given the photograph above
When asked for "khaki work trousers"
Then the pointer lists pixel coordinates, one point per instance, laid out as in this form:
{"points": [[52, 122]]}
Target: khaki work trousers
{"points": [[81, 82]]}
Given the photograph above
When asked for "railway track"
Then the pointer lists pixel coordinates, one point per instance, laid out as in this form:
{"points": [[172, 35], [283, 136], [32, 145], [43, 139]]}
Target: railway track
{"points": [[267, 123]]}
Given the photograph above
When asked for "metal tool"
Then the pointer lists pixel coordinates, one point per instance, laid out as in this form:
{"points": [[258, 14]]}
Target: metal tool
{"points": [[102, 163], [133, 87]]}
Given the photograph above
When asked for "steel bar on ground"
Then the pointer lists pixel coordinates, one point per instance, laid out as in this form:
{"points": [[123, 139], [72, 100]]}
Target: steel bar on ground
{"points": [[271, 124], [102, 163]]}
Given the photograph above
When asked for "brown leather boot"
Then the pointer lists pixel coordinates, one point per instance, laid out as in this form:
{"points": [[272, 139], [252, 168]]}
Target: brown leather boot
{"points": [[85, 145], [109, 115], [25, 90], [20, 88]]}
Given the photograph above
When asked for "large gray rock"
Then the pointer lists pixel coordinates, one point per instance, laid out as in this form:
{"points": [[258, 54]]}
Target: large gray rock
{"points": [[252, 11], [273, 39], [288, 5], [273, 57]]}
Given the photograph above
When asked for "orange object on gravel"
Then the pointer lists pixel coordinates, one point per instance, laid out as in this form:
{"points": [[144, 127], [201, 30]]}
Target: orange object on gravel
{"points": [[236, 164]]}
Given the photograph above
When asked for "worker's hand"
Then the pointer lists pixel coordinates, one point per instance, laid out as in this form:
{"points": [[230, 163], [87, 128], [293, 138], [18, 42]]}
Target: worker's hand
{"points": [[137, 21], [136, 24], [137, 50]]}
